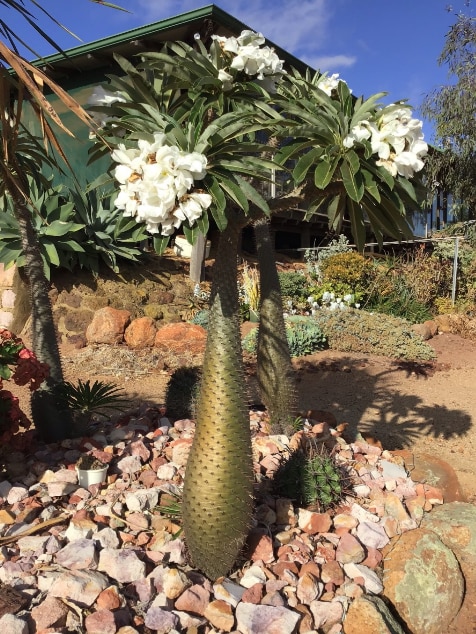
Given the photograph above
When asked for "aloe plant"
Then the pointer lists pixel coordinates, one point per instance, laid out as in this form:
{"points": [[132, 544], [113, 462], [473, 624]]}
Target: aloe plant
{"points": [[217, 498]]}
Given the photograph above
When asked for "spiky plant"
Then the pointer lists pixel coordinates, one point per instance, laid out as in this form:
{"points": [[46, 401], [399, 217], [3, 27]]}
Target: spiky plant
{"points": [[312, 477], [217, 496], [276, 377]]}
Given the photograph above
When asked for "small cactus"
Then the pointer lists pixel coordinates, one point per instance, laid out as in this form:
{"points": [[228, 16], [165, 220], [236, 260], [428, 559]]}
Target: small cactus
{"points": [[313, 478]]}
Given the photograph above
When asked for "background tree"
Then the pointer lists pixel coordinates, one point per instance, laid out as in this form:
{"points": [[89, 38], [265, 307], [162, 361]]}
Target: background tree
{"points": [[452, 108]]}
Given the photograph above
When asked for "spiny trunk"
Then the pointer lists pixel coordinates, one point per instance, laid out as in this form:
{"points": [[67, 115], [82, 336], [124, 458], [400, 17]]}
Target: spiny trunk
{"points": [[276, 377], [218, 488], [51, 423]]}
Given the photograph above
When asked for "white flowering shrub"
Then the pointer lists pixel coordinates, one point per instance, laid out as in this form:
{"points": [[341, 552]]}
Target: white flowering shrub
{"points": [[247, 53], [396, 137], [157, 184]]}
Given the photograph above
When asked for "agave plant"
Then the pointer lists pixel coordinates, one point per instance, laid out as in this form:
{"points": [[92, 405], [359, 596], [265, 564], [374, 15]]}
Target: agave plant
{"points": [[84, 400]]}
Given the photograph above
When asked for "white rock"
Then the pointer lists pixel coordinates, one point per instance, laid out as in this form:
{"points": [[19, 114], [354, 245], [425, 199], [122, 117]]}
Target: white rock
{"points": [[253, 575], [372, 582]]}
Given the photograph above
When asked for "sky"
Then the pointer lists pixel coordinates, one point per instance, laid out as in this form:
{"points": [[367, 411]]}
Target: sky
{"points": [[374, 45]]}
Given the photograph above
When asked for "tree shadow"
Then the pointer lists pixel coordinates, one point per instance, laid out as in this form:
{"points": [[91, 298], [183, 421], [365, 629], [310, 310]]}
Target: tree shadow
{"points": [[371, 402]]}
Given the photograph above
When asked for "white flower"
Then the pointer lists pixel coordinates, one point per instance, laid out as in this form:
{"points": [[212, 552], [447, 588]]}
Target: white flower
{"points": [[226, 79], [310, 299], [328, 83], [348, 298], [193, 205], [326, 297]]}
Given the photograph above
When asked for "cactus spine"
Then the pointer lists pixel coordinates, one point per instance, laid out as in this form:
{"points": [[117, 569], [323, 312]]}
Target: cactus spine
{"points": [[218, 487]]}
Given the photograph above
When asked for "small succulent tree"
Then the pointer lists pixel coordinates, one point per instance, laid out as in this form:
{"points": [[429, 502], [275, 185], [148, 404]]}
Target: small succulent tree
{"points": [[183, 124]]}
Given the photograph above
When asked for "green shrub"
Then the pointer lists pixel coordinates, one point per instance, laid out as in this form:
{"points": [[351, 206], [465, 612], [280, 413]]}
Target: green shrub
{"points": [[304, 337], [353, 330], [395, 298], [313, 478], [349, 269], [315, 258], [293, 284]]}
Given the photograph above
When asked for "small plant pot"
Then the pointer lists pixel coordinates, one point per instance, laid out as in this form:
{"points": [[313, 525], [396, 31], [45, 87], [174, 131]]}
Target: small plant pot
{"points": [[86, 477]]}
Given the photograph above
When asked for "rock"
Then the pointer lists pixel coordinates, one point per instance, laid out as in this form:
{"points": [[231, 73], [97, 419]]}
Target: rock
{"points": [[455, 525], [78, 555], [122, 565], [349, 550], [252, 619], [140, 333], [108, 326], [50, 613], [81, 586], [370, 614], [100, 622], [161, 621], [220, 615], [181, 338], [423, 580], [328, 613], [13, 624], [423, 330], [371, 535], [313, 523], [435, 472]]}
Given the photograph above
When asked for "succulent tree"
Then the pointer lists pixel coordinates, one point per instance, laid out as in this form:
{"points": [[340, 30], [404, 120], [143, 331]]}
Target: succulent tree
{"points": [[183, 126]]}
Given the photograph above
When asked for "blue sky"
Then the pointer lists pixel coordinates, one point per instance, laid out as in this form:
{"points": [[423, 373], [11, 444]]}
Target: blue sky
{"points": [[375, 45]]}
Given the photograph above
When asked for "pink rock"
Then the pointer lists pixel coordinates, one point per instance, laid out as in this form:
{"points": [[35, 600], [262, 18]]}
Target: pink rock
{"points": [[394, 507], [308, 588], [332, 572], [138, 448], [260, 546], [161, 621], [313, 523], [81, 586], [109, 599], [285, 512], [371, 535], [265, 618], [326, 613], [349, 550], [122, 565], [100, 622], [181, 337], [195, 599], [50, 613], [220, 615], [140, 333], [253, 594], [108, 326], [78, 555], [181, 451]]}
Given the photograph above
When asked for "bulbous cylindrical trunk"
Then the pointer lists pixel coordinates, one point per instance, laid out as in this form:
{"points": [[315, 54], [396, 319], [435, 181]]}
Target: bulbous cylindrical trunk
{"points": [[276, 377], [51, 423], [218, 487]]}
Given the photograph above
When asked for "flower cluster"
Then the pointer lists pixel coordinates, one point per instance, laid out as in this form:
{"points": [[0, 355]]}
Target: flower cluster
{"points": [[328, 83], [102, 97], [330, 301], [248, 55], [395, 137], [157, 184]]}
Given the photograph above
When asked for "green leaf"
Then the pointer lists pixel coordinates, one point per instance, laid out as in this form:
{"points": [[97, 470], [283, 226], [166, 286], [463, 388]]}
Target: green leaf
{"points": [[324, 172], [357, 223], [353, 182], [160, 243], [191, 233], [370, 185], [304, 163], [52, 253]]}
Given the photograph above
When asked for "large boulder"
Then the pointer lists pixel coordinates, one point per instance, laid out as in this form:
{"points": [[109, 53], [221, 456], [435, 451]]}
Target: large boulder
{"points": [[108, 326], [423, 580], [140, 333], [180, 338], [455, 525]]}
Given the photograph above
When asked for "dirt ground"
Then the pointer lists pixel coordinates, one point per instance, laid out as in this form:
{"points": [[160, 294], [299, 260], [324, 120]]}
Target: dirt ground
{"points": [[427, 408]]}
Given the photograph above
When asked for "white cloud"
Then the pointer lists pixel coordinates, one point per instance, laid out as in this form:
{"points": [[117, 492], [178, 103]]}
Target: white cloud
{"points": [[331, 62]]}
